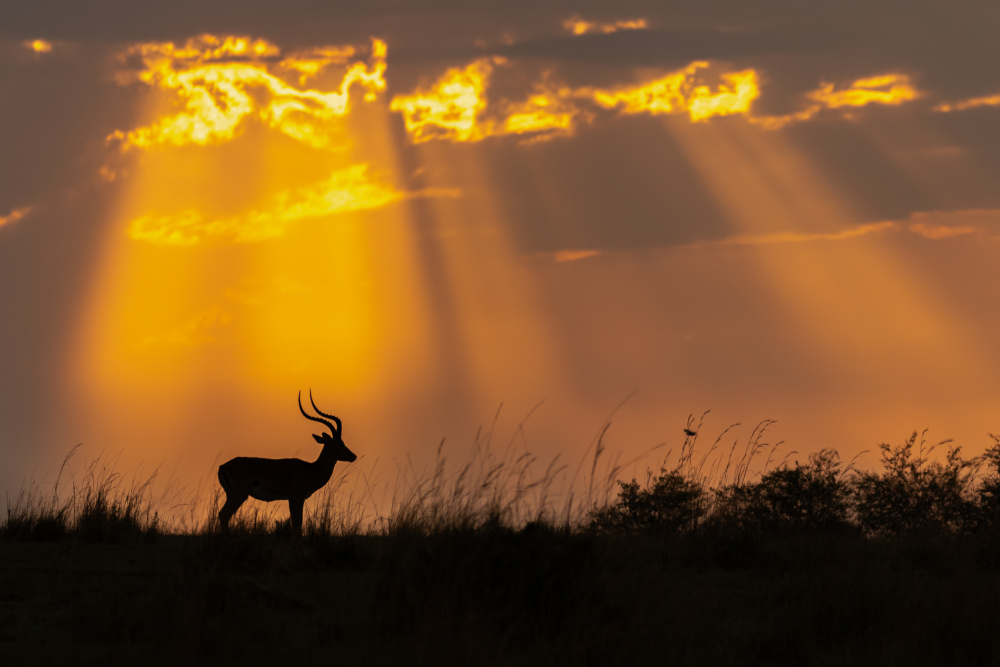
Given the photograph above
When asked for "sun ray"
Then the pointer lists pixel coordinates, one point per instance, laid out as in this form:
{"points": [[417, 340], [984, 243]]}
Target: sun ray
{"points": [[860, 303]]}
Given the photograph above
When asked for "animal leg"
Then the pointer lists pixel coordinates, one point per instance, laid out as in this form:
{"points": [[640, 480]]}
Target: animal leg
{"points": [[295, 510], [233, 503]]}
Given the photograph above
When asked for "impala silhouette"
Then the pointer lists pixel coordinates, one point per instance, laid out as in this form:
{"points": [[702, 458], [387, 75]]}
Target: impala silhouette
{"points": [[293, 480]]}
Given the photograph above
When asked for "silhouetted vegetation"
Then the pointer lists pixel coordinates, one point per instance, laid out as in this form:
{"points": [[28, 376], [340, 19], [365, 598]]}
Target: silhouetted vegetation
{"points": [[912, 495], [805, 497], [103, 507], [730, 556], [672, 503]]}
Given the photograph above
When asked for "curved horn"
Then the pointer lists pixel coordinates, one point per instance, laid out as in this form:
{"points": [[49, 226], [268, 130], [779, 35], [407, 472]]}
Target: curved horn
{"points": [[340, 427], [333, 431]]}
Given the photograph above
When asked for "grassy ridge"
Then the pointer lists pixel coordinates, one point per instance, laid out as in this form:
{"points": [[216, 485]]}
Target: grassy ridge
{"points": [[735, 559]]}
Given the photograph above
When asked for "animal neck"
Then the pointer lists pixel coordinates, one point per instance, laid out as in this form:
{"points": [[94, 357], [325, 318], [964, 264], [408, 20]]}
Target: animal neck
{"points": [[324, 464]]}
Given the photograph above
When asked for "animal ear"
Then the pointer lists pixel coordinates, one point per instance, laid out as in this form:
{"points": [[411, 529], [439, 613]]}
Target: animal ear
{"points": [[318, 438]]}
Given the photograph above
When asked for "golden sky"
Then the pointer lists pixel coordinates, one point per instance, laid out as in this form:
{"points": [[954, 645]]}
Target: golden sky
{"points": [[425, 214]]}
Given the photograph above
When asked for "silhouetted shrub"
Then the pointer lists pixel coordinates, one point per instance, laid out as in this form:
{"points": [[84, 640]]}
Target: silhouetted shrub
{"points": [[988, 493], [672, 502], [808, 497], [913, 495]]}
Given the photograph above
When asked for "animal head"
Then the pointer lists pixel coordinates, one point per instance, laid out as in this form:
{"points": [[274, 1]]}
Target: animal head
{"points": [[334, 439]]}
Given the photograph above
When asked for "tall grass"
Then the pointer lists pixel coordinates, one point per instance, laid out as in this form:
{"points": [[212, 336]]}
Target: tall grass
{"points": [[102, 505], [735, 483]]}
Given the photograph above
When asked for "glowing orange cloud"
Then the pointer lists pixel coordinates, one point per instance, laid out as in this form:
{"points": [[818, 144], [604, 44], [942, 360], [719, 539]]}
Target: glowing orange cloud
{"points": [[884, 89], [38, 46], [449, 109], [681, 92], [548, 112], [578, 26], [350, 189], [455, 107], [221, 82], [890, 89], [971, 103], [14, 215], [311, 62]]}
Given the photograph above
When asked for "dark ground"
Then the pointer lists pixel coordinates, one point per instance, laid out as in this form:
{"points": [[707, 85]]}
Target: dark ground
{"points": [[499, 597]]}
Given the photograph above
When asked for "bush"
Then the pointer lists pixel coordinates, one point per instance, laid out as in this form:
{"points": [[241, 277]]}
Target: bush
{"points": [[671, 503], [809, 497], [912, 495], [988, 494]]}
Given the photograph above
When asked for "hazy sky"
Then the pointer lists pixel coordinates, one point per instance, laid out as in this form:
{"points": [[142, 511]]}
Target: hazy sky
{"points": [[423, 210]]}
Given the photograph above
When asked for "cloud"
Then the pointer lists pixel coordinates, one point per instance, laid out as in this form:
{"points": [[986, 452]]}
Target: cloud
{"points": [[563, 256], [578, 26], [455, 107], [940, 225], [450, 108], [349, 189], [221, 82], [15, 215], [930, 225], [938, 232], [883, 89], [806, 237], [969, 103], [682, 92]]}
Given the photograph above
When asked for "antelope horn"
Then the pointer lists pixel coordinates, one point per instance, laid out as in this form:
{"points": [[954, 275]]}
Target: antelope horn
{"points": [[340, 427], [333, 431]]}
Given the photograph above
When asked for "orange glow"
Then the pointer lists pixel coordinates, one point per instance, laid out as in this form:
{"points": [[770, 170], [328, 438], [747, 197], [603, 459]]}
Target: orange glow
{"points": [[971, 103], [329, 280], [14, 215], [578, 26], [221, 82], [39, 46], [884, 89], [246, 259], [680, 92]]}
